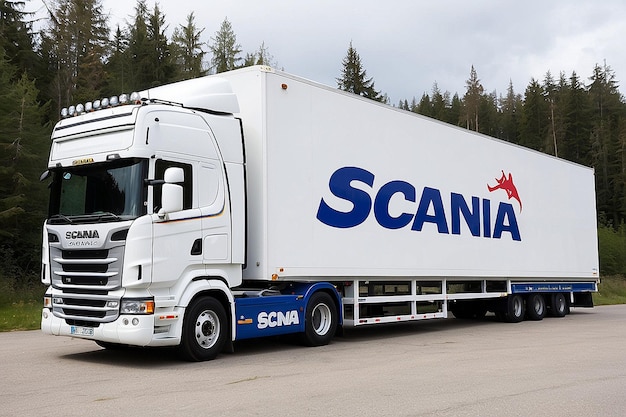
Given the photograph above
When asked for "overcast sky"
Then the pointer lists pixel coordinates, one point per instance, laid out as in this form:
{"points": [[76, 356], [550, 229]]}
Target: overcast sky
{"points": [[408, 45]]}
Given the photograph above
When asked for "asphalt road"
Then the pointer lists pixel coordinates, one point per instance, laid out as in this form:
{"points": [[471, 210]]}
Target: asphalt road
{"points": [[574, 366]]}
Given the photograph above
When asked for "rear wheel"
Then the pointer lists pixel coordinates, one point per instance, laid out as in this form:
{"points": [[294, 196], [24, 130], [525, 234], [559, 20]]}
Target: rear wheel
{"points": [[558, 305], [321, 320], [515, 309], [535, 307], [204, 330]]}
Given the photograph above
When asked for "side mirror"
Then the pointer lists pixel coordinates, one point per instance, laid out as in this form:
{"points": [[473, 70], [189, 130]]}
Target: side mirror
{"points": [[172, 191]]}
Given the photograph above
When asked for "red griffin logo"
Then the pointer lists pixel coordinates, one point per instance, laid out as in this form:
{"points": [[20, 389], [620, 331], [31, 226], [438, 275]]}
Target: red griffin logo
{"points": [[507, 185]]}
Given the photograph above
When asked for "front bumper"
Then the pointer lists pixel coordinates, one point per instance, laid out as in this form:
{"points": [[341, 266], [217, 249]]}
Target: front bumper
{"points": [[136, 330]]}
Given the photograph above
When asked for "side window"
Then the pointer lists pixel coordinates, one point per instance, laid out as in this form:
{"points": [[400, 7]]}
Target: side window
{"points": [[160, 168]]}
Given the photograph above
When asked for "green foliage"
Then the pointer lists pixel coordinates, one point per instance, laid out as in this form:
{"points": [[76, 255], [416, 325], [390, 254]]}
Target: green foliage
{"points": [[20, 306], [23, 149], [74, 45], [612, 249], [611, 290]]}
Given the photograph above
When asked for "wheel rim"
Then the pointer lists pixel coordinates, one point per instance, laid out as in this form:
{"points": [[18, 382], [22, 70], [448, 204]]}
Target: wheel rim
{"points": [[539, 306], [560, 304], [207, 329], [321, 319], [517, 307]]}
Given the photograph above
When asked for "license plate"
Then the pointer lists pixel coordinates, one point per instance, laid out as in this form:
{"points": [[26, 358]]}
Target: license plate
{"points": [[81, 331]]}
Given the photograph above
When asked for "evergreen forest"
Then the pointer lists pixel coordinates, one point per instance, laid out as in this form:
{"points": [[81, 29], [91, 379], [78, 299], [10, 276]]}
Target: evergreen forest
{"points": [[75, 56]]}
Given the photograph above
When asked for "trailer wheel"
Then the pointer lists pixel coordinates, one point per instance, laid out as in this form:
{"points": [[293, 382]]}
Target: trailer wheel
{"points": [[320, 321], [204, 330], [515, 309], [535, 307], [558, 305]]}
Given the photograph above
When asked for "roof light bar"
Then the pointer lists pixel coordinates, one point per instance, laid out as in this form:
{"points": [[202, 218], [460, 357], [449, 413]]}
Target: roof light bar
{"points": [[104, 103]]}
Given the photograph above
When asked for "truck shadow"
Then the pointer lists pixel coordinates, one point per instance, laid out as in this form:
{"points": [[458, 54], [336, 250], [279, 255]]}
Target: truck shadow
{"points": [[159, 358]]}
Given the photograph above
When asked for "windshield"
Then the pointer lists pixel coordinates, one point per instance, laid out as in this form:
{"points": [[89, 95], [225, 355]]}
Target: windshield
{"points": [[109, 191]]}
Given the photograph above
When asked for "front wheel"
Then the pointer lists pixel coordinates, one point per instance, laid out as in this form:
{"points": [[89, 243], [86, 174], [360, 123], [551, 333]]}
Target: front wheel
{"points": [[204, 330], [321, 319]]}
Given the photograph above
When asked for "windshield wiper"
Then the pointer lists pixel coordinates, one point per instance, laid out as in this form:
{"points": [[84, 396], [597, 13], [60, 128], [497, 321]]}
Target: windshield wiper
{"points": [[60, 219], [107, 217]]}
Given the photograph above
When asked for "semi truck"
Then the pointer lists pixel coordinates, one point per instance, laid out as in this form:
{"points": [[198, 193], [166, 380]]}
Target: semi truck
{"points": [[257, 203]]}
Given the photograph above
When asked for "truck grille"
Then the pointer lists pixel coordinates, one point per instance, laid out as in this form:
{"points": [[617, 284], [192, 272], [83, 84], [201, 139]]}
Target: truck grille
{"points": [[86, 278]]}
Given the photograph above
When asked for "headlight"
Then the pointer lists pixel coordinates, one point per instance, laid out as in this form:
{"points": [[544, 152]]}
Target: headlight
{"points": [[137, 306]]}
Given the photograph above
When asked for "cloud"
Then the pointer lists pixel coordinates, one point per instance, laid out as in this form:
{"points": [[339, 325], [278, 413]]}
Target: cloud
{"points": [[407, 46]]}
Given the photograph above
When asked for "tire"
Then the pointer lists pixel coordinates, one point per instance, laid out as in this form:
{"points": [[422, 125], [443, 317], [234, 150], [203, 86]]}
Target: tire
{"points": [[205, 330], [535, 307], [321, 320], [558, 305], [515, 309]]}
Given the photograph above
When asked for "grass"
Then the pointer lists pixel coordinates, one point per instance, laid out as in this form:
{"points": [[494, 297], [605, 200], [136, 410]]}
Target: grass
{"points": [[21, 315], [21, 310], [612, 290]]}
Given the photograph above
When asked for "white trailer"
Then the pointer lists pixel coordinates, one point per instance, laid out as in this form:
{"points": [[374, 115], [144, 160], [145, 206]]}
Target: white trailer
{"points": [[255, 203]]}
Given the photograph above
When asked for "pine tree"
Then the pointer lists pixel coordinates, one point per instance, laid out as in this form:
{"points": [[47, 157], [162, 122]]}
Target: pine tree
{"points": [[16, 36], [188, 49], [163, 68], [425, 106], [553, 93], [354, 77], [260, 57], [140, 74], [23, 151], [489, 115], [608, 117], [510, 105], [456, 109], [534, 123], [75, 44], [577, 146], [118, 66], [225, 49], [440, 103], [472, 101]]}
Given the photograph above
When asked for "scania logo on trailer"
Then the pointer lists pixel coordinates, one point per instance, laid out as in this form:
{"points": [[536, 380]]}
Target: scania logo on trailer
{"points": [[474, 212]]}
